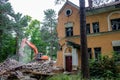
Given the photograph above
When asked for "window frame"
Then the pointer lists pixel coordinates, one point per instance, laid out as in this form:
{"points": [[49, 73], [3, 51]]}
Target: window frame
{"points": [[69, 25], [96, 30], [69, 33], [88, 28], [116, 50], [90, 53], [115, 25], [97, 54]]}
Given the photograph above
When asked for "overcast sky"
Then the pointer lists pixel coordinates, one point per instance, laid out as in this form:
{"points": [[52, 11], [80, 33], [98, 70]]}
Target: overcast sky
{"points": [[35, 8]]}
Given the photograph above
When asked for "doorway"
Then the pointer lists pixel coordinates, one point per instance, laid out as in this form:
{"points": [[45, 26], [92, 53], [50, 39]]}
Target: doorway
{"points": [[68, 63]]}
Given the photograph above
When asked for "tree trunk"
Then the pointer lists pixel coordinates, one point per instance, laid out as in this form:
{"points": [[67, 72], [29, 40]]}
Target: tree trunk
{"points": [[84, 51], [17, 48]]}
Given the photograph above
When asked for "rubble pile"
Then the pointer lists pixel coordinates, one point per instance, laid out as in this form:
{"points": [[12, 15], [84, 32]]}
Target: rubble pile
{"points": [[12, 67], [9, 65], [39, 67]]}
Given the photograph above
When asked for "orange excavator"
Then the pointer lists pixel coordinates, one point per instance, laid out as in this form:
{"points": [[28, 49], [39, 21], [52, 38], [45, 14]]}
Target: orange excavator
{"points": [[38, 56]]}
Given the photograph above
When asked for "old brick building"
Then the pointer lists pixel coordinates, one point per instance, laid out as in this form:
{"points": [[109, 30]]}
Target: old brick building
{"points": [[103, 33]]}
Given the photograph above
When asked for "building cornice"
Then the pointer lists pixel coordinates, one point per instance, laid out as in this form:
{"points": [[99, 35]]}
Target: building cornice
{"points": [[92, 34], [95, 10]]}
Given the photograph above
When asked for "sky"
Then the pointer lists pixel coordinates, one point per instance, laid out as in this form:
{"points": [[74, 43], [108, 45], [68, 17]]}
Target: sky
{"points": [[36, 8]]}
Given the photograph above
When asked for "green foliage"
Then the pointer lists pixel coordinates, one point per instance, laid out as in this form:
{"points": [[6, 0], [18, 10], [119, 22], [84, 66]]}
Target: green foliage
{"points": [[5, 22], [116, 56], [77, 77], [63, 77], [105, 67], [49, 33], [19, 22], [33, 32], [11, 26], [7, 42], [7, 47]]}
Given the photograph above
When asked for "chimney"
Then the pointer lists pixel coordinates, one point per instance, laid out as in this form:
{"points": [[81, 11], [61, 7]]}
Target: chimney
{"points": [[90, 3]]}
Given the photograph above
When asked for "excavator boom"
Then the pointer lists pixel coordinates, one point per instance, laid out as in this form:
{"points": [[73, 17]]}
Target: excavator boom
{"points": [[37, 55], [25, 41]]}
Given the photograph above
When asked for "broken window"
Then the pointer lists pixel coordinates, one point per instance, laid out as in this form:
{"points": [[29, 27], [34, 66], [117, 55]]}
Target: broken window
{"points": [[90, 53], [69, 29], [95, 27], [117, 52], [88, 28], [97, 52], [116, 49], [115, 24]]}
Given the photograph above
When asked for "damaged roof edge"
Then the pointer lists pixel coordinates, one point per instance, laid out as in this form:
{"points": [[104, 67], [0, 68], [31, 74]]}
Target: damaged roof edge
{"points": [[105, 7]]}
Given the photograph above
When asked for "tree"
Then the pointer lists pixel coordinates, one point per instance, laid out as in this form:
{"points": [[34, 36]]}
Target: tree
{"points": [[83, 36], [48, 31], [100, 2], [59, 1], [5, 11], [19, 22], [7, 42], [7, 47], [33, 33]]}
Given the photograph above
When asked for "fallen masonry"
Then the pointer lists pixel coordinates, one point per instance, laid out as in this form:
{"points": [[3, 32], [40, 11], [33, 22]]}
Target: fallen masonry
{"points": [[11, 69]]}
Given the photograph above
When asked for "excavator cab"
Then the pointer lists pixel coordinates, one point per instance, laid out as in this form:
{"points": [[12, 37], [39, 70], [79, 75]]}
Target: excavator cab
{"points": [[38, 56]]}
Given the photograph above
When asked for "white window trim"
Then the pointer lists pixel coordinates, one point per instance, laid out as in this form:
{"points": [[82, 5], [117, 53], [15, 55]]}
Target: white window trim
{"points": [[108, 19]]}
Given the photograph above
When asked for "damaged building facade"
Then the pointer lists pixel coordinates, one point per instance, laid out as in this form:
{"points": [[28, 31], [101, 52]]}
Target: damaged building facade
{"points": [[102, 28]]}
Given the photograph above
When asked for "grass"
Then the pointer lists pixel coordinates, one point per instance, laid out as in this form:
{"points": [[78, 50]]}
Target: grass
{"points": [[75, 77]]}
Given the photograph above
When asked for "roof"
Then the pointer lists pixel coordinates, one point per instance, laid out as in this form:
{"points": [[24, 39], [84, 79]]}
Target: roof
{"points": [[104, 5], [116, 4], [69, 3]]}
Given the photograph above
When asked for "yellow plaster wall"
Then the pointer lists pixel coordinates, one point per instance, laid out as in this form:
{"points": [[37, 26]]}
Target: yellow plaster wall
{"points": [[103, 40]]}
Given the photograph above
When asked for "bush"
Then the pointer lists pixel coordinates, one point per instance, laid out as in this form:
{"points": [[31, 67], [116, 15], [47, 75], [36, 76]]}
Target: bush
{"points": [[104, 67]]}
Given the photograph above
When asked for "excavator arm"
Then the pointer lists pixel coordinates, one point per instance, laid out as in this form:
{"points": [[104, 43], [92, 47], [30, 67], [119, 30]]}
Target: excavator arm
{"points": [[37, 56], [25, 41]]}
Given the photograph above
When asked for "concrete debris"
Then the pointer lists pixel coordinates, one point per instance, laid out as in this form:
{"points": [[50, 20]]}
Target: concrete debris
{"points": [[11, 67]]}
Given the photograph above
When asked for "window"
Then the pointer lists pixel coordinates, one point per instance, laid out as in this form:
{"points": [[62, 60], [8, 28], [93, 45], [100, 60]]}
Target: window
{"points": [[116, 49], [97, 52], [95, 27], [117, 52], [88, 28], [90, 53], [69, 29], [115, 24]]}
